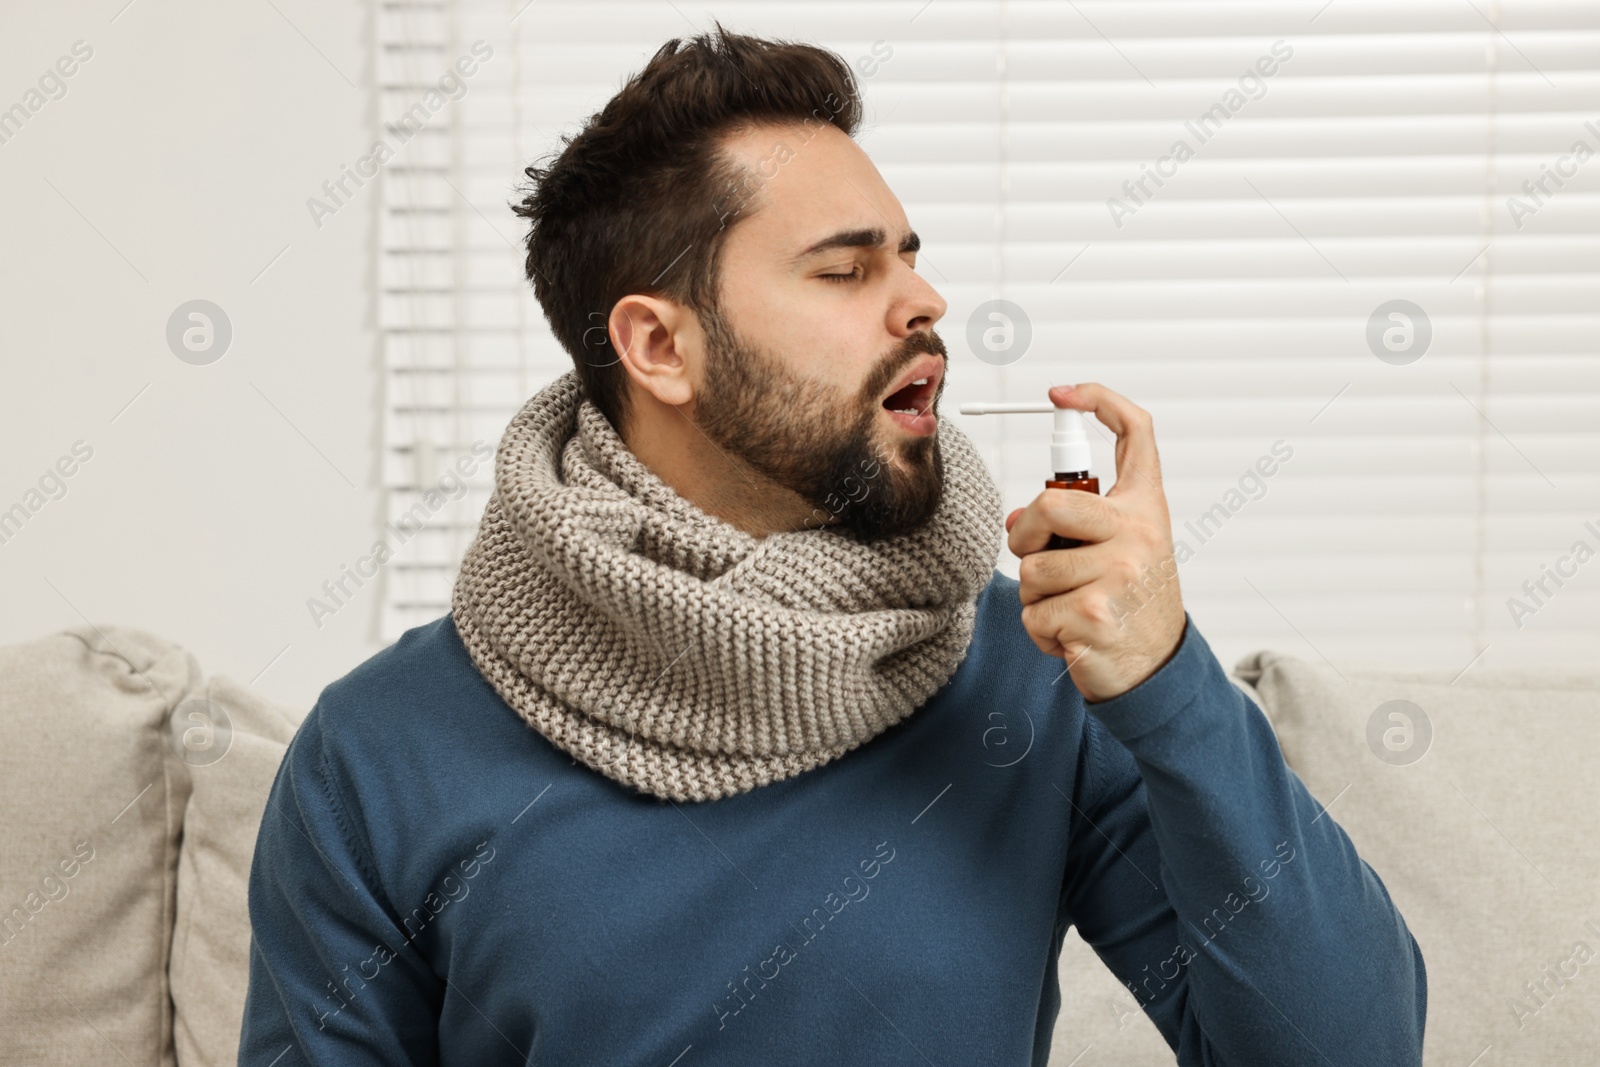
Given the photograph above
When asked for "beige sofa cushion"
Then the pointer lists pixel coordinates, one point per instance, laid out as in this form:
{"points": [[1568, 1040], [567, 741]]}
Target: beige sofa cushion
{"points": [[211, 939], [1485, 843], [93, 797]]}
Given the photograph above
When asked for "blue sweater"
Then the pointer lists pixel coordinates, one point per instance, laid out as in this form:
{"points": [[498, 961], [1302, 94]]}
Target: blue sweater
{"points": [[436, 883]]}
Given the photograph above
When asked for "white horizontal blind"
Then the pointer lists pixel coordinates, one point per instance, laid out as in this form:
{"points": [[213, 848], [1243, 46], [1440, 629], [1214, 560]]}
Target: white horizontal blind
{"points": [[1369, 158]]}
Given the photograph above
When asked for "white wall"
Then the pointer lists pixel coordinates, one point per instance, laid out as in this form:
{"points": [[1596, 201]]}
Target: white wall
{"points": [[189, 142]]}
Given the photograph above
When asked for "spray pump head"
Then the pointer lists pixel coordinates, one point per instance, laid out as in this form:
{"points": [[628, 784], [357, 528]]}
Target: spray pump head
{"points": [[1069, 442]]}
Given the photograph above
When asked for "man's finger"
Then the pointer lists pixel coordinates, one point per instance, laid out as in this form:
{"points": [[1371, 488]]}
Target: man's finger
{"points": [[1068, 512], [1046, 574], [1138, 465]]}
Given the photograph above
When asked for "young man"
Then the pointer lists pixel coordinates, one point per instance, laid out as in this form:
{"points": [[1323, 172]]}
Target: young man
{"points": [[735, 747]]}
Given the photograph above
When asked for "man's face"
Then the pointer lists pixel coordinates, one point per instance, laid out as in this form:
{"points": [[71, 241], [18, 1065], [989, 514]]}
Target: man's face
{"points": [[813, 333]]}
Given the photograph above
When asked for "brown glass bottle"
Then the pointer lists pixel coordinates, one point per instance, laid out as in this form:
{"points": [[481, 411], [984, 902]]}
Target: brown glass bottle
{"points": [[1071, 480]]}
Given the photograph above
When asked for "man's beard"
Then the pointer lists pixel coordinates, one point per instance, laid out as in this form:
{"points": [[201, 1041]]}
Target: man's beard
{"points": [[794, 431]]}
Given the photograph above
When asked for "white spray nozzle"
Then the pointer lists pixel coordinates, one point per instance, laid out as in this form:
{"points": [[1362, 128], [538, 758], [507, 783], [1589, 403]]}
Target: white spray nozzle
{"points": [[1069, 443]]}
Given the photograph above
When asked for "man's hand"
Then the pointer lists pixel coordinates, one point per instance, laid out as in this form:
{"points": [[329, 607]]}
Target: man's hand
{"points": [[1110, 607]]}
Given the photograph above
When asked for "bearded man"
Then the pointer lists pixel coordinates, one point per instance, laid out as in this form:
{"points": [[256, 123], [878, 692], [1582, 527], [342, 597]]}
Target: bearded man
{"points": [[735, 747]]}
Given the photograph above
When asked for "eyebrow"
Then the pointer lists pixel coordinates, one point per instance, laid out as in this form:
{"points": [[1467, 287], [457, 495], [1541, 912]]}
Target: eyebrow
{"points": [[871, 237]]}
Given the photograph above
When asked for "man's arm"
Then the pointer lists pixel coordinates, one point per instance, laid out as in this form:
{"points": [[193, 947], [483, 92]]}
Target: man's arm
{"points": [[332, 978], [1209, 880]]}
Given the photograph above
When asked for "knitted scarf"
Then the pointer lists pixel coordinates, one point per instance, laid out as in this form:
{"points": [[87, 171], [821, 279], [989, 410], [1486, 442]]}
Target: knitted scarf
{"points": [[683, 657]]}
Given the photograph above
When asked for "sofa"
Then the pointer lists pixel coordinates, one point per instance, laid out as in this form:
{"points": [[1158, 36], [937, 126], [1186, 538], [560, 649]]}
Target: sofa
{"points": [[132, 785]]}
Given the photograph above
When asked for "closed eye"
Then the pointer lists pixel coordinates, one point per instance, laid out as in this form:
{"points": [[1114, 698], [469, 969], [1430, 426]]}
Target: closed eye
{"points": [[837, 278]]}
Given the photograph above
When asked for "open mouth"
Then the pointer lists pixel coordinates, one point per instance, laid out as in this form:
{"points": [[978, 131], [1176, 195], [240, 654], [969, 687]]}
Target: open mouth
{"points": [[910, 405]]}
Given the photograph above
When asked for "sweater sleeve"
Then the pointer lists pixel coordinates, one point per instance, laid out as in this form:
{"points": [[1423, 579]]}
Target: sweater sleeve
{"points": [[331, 974], [1234, 908]]}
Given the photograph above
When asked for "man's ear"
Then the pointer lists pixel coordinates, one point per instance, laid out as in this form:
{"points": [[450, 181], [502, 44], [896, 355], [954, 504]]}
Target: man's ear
{"points": [[656, 341]]}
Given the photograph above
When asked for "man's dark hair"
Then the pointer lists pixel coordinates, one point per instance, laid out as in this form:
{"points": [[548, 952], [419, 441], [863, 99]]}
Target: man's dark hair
{"points": [[640, 199]]}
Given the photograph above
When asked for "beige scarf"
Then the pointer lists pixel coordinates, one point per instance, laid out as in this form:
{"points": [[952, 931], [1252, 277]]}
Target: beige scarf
{"points": [[679, 655]]}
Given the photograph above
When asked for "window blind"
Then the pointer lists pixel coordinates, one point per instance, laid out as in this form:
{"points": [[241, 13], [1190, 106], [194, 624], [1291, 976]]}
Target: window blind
{"points": [[1352, 244]]}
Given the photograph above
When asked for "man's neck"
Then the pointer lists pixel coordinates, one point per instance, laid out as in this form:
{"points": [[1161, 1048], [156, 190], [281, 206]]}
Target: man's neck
{"points": [[665, 439]]}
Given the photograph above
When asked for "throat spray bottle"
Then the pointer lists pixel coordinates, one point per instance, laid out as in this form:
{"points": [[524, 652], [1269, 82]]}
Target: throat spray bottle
{"points": [[1069, 451]]}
